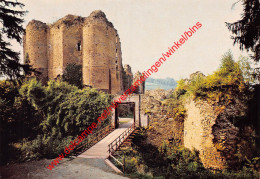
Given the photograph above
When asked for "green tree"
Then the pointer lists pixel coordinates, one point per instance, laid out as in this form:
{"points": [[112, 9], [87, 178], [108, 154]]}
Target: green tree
{"points": [[246, 69], [73, 75], [247, 30], [228, 66], [11, 29]]}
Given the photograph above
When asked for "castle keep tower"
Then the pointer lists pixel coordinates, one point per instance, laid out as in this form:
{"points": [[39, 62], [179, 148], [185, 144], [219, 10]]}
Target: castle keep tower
{"points": [[35, 47], [102, 61], [92, 42]]}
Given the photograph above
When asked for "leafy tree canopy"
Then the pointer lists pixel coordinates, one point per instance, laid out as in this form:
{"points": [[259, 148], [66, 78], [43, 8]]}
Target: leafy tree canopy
{"points": [[73, 75], [247, 30]]}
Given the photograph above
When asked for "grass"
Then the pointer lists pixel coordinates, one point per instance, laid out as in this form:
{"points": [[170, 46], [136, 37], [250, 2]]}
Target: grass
{"points": [[123, 122]]}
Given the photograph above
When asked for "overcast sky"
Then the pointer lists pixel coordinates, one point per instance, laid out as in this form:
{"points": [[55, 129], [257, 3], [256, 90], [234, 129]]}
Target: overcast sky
{"points": [[148, 27]]}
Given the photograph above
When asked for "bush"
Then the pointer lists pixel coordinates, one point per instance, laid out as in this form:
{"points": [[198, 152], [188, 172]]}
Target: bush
{"points": [[130, 165], [18, 119], [170, 161], [175, 108], [125, 110], [227, 81], [40, 147], [67, 110], [46, 117]]}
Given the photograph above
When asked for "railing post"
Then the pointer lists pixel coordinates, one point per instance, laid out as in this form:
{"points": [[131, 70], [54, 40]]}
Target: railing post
{"points": [[87, 141], [123, 163]]}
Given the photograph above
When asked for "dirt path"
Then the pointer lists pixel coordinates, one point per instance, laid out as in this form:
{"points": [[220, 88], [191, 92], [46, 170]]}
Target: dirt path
{"points": [[69, 168]]}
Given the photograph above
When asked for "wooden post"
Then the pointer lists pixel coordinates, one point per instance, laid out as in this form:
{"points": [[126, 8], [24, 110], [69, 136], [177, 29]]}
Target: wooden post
{"points": [[87, 142], [123, 163], [139, 111]]}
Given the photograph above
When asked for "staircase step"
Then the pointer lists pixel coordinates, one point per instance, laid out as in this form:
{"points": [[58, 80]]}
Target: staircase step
{"points": [[127, 143]]}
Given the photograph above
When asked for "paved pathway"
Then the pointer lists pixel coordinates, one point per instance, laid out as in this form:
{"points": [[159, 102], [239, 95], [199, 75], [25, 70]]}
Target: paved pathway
{"points": [[78, 168], [88, 165], [100, 150]]}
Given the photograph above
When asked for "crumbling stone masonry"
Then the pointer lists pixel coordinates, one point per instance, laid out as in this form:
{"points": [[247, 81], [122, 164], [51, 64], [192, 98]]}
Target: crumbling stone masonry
{"points": [[140, 89], [202, 127], [128, 77], [90, 41]]}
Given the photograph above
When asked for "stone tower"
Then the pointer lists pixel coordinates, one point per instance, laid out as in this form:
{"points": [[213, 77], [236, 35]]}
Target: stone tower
{"points": [[92, 42], [140, 89], [128, 77], [102, 60], [35, 47]]}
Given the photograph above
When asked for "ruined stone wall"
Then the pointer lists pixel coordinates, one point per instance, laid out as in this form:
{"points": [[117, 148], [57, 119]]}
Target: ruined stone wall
{"points": [[141, 88], [35, 47], [119, 65], [114, 62], [128, 77], [199, 134], [72, 44]]}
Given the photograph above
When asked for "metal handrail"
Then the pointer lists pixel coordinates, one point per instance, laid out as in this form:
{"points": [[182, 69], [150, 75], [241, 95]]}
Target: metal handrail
{"points": [[120, 139]]}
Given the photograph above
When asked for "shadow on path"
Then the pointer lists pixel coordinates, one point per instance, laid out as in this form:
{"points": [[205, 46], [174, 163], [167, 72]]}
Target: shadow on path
{"points": [[69, 168]]}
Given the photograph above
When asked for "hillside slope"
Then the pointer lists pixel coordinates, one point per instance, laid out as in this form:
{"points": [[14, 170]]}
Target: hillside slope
{"points": [[166, 83]]}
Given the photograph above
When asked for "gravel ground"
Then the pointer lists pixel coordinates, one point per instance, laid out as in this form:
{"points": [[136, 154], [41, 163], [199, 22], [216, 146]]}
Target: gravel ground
{"points": [[78, 168]]}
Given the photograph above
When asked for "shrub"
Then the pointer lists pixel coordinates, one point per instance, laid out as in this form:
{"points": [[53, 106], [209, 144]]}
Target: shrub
{"points": [[130, 165], [55, 113], [226, 81], [67, 110], [175, 109], [41, 147], [18, 119]]}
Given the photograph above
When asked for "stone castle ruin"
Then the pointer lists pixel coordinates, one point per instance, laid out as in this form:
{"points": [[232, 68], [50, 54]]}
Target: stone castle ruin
{"points": [[91, 42]]}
